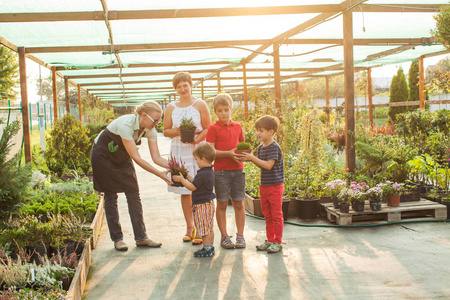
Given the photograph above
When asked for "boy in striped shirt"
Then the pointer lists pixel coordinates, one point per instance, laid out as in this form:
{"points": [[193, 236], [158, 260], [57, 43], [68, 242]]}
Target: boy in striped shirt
{"points": [[270, 161]]}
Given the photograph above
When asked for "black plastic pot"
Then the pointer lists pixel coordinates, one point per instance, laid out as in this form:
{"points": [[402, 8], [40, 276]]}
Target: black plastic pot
{"points": [[358, 206], [375, 205], [176, 183], [187, 135], [344, 207], [335, 202], [308, 208]]}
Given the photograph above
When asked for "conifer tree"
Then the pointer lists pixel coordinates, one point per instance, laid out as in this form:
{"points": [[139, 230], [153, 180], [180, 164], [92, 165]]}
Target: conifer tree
{"points": [[413, 81], [9, 74], [398, 92]]}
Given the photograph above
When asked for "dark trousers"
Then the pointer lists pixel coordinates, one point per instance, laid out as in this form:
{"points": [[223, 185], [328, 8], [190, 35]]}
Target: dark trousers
{"points": [[135, 211]]}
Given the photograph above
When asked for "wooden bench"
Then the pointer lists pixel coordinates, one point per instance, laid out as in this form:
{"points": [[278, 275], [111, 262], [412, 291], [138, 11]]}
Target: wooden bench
{"points": [[423, 210]]}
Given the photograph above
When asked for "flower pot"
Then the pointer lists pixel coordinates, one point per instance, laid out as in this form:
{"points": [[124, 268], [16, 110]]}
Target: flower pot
{"points": [[344, 207], [393, 200], [176, 183], [358, 206], [243, 151], [308, 208], [375, 205], [285, 207], [335, 202], [410, 197], [187, 135]]}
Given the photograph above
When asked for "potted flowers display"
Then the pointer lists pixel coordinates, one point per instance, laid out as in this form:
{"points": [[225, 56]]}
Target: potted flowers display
{"points": [[187, 129], [334, 187], [375, 194], [392, 191], [177, 168], [345, 196], [359, 195]]}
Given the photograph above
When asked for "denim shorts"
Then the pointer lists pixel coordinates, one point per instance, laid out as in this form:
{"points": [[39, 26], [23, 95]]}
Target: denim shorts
{"points": [[230, 185]]}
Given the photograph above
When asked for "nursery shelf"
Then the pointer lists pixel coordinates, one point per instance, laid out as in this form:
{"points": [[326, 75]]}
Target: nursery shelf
{"points": [[417, 210]]}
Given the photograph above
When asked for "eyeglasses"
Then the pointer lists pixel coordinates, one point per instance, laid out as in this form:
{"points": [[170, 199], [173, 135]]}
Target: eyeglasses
{"points": [[154, 122]]}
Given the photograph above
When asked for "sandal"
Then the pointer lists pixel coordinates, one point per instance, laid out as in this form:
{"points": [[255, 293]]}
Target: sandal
{"points": [[188, 238], [197, 241]]}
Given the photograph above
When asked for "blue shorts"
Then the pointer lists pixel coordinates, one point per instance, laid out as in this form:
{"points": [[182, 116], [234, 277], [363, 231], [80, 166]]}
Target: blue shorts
{"points": [[230, 185]]}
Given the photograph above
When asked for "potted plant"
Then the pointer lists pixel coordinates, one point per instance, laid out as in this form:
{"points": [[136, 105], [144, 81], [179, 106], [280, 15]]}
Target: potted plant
{"points": [[392, 191], [345, 196], [177, 168], [375, 194], [312, 139], [252, 202], [334, 187], [244, 147], [359, 201], [187, 129]]}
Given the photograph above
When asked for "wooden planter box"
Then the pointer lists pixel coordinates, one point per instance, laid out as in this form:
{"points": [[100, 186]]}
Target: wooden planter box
{"points": [[76, 288], [253, 205], [96, 224], [78, 284]]}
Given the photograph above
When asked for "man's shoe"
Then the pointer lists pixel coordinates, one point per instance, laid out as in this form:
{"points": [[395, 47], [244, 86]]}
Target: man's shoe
{"points": [[227, 243], [204, 253], [148, 243], [120, 245], [263, 246], [274, 248]]}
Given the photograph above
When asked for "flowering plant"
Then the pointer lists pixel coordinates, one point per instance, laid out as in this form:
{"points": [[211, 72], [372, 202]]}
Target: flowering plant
{"points": [[177, 167], [375, 193], [334, 187], [390, 188], [346, 195]]}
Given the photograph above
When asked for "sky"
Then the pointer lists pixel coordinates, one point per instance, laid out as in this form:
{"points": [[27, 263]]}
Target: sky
{"points": [[385, 71]]}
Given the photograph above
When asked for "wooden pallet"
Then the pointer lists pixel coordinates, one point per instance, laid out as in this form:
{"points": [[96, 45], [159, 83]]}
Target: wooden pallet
{"points": [[423, 209]]}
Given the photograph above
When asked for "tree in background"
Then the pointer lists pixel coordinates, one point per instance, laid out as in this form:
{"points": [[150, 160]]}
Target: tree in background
{"points": [[398, 92], [413, 80], [9, 75], [442, 30]]}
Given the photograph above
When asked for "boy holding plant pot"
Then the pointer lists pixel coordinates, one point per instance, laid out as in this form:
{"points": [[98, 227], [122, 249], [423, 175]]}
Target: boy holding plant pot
{"points": [[229, 174]]}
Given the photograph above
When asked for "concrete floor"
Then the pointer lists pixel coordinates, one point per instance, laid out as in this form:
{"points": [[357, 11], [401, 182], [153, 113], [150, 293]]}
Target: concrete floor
{"points": [[403, 261]]}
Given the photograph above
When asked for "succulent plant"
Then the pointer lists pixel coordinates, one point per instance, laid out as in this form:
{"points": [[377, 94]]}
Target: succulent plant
{"points": [[187, 123]]}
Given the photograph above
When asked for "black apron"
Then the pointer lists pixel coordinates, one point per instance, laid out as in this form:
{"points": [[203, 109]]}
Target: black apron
{"points": [[112, 166]]}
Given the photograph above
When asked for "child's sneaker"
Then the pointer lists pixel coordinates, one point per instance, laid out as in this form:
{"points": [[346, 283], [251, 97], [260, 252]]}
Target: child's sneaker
{"points": [[227, 243], [263, 246], [240, 241], [274, 248], [204, 253]]}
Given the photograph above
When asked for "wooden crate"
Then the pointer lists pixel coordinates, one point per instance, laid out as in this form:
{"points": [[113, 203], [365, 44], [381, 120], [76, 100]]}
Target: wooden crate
{"points": [[423, 209]]}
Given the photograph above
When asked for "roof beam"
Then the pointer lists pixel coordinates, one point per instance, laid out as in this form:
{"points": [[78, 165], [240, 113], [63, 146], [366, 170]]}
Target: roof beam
{"points": [[226, 44], [206, 12]]}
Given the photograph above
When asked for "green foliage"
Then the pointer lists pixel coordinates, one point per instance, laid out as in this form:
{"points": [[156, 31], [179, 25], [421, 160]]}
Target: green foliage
{"points": [[398, 92], [243, 146], [14, 178], [252, 178], [442, 30], [68, 146], [187, 123], [9, 72], [413, 80]]}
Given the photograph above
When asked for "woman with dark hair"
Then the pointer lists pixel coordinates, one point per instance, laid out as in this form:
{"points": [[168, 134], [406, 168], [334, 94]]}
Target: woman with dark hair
{"points": [[111, 159], [186, 106]]}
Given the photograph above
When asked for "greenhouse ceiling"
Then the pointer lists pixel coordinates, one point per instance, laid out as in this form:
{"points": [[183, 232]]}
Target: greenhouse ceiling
{"points": [[126, 52]]}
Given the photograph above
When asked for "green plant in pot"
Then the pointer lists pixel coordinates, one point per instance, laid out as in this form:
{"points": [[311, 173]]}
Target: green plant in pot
{"points": [[187, 129], [375, 195], [312, 140], [244, 147], [177, 168]]}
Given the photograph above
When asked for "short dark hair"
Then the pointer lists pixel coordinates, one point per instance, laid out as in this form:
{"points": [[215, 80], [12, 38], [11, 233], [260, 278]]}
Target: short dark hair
{"points": [[268, 123], [205, 150], [222, 99], [181, 76]]}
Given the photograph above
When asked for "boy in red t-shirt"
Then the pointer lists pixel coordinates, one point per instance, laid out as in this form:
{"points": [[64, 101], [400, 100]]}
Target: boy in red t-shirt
{"points": [[225, 134]]}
